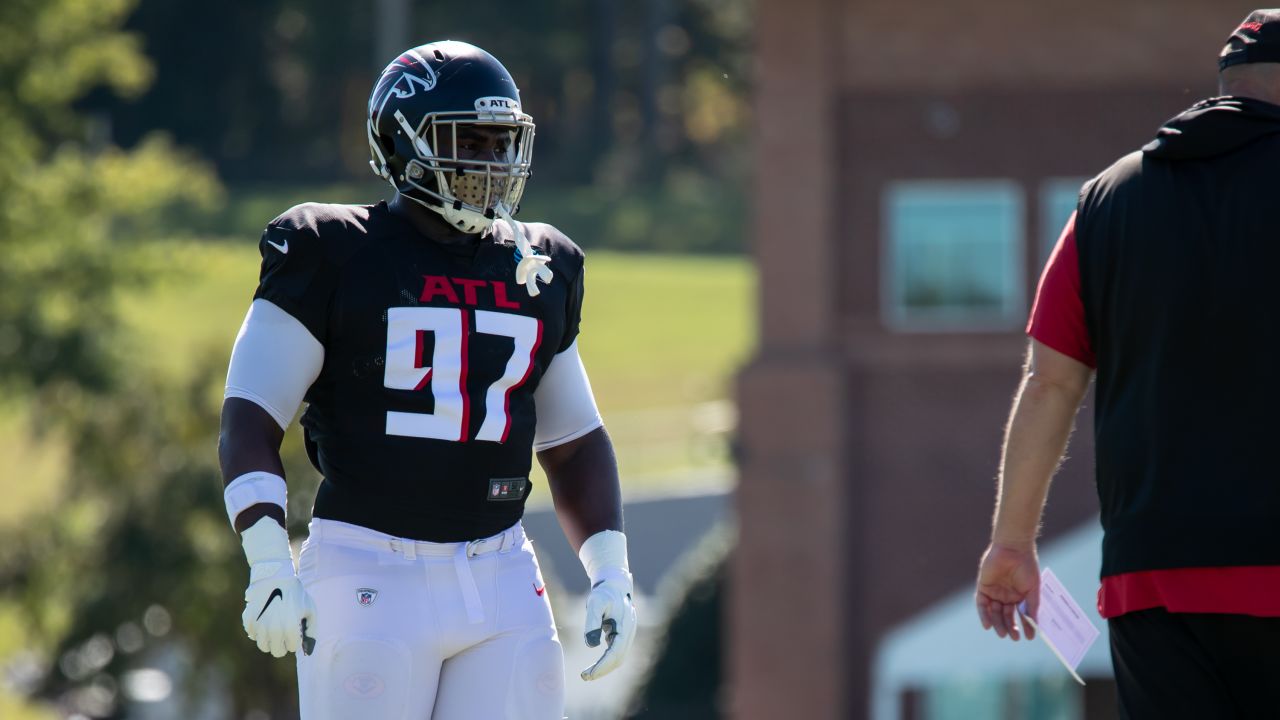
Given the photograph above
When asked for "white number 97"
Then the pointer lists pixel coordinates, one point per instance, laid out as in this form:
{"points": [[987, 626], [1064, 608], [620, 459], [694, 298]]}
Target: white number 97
{"points": [[446, 374]]}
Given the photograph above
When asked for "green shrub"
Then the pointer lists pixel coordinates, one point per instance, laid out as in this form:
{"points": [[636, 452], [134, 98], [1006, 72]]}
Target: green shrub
{"points": [[685, 680]]}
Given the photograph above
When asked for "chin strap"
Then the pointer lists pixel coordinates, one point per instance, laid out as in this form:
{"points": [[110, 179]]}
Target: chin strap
{"points": [[530, 268]]}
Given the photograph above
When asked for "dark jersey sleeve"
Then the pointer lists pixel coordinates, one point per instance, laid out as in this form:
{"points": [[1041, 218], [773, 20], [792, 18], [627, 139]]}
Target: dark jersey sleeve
{"points": [[573, 312], [296, 275], [567, 263]]}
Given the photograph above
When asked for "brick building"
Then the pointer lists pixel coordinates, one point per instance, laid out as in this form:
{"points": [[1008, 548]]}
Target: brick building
{"points": [[913, 165]]}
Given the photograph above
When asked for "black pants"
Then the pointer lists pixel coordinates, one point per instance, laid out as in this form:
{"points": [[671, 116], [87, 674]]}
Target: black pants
{"points": [[1177, 665]]}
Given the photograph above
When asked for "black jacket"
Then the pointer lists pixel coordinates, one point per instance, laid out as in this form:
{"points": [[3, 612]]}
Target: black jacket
{"points": [[1179, 250]]}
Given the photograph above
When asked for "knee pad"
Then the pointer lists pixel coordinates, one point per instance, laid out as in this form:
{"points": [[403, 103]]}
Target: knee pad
{"points": [[355, 678], [537, 682]]}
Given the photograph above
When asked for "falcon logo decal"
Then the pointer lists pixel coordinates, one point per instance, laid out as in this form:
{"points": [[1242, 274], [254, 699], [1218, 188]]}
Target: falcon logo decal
{"points": [[409, 84], [404, 78], [406, 85]]}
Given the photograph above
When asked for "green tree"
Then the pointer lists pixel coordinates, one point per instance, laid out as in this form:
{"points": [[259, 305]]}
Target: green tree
{"points": [[139, 560], [641, 107], [71, 210], [138, 527]]}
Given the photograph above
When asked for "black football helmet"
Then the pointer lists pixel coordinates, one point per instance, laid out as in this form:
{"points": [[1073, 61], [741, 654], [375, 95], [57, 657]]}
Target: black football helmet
{"points": [[418, 106]]}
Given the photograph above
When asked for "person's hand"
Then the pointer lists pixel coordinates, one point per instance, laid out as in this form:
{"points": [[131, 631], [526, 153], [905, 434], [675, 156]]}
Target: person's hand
{"points": [[1008, 575], [611, 614], [276, 605]]}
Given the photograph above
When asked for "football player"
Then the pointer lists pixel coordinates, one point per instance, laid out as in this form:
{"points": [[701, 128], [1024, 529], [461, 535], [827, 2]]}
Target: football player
{"points": [[434, 339]]}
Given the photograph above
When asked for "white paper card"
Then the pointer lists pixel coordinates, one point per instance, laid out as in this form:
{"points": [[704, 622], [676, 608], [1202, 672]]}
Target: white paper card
{"points": [[1062, 624]]}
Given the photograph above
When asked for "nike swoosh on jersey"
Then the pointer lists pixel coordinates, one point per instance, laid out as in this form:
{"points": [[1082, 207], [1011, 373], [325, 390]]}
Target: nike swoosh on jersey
{"points": [[284, 248], [274, 594]]}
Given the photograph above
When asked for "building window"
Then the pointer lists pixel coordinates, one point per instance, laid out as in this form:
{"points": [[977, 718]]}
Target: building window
{"points": [[1058, 198], [954, 256]]}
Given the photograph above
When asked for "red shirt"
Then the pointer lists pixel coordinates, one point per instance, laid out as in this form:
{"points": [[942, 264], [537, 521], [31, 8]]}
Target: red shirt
{"points": [[1057, 320]]}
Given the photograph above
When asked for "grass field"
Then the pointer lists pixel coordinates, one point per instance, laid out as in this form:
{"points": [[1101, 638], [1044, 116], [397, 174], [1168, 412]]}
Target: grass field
{"points": [[661, 337], [658, 330]]}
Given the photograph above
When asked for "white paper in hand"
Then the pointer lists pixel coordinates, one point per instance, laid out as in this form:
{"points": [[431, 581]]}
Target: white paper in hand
{"points": [[1062, 623]]}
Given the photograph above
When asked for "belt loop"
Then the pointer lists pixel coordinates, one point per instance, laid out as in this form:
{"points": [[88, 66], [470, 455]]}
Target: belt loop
{"points": [[467, 583], [409, 548], [508, 541]]}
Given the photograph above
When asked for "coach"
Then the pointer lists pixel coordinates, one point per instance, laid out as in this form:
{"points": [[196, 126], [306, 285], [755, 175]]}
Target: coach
{"points": [[1165, 283]]}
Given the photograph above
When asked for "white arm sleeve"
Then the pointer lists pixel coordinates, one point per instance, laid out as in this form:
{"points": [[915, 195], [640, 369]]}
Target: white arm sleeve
{"points": [[274, 361], [566, 407]]}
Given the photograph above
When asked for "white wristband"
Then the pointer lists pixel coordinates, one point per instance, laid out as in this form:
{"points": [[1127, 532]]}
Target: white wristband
{"points": [[604, 555], [251, 489]]}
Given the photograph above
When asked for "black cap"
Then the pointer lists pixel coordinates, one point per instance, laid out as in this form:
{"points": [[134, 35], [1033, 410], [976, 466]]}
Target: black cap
{"points": [[1256, 40]]}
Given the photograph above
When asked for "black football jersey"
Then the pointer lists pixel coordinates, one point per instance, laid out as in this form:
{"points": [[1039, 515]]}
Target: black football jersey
{"points": [[422, 419]]}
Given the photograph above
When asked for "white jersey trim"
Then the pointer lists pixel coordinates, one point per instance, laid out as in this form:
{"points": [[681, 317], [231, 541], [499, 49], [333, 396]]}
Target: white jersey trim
{"points": [[274, 361], [566, 406]]}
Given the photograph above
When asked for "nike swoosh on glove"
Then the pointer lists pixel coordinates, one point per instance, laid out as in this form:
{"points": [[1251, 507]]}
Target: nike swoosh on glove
{"points": [[275, 603], [611, 615]]}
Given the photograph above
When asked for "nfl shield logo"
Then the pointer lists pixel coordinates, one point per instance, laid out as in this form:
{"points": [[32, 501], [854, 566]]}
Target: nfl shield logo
{"points": [[366, 596]]}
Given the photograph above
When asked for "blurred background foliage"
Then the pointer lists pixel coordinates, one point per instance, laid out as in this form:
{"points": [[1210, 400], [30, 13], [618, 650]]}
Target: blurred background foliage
{"points": [[143, 145], [685, 678], [73, 208], [641, 107]]}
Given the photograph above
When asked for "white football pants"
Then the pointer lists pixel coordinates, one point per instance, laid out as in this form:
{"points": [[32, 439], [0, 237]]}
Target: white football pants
{"points": [[427, 631]]}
